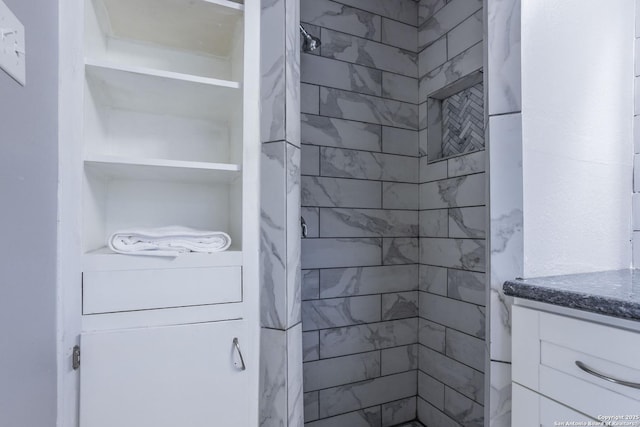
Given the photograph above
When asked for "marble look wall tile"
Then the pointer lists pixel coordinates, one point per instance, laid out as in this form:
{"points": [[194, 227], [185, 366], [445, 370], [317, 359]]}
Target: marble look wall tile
{"points": [[432, 171], [373, 336], [310, 164], [369, 417], [429, 415], [332, 253], [462, 65], [463, 410], [311, 406], [360, 395], [400, 141], [468, 190], [340, 222], [434, 223], [506, 218], [273, 241], [400, 35], [500, 394], [330, 132], [422, 123], [432, 56], [310, 285], [465, 349], [400, 250], [365, 108], [427, 8], [433, 279], [400, 411], [329, 14], [399, 359], [312, 219], [431, 390], [465, 35], [466, 164], [272, 66], [295, 400], [292, 70], [434, 128], [341, 163], [335, 192], [400, 10], [310, 346], [309, 99], [400, 88], [445, 19], [368, 53], [636, 211], [503, 57], [341, 75], [431, 334], [368, 280], [464, 379], [273, 378], [398, 195], [399, 305], [338, 312], [467, 286], [293, 236], [464, 317], [467, 222], [464, 254], [338, 371]]}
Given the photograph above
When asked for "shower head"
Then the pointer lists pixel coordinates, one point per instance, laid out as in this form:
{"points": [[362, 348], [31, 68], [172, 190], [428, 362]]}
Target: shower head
{"points": [[310, 42]]}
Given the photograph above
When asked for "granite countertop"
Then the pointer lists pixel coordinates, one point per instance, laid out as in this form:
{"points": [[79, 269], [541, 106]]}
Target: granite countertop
{"points": [[612, 293]]}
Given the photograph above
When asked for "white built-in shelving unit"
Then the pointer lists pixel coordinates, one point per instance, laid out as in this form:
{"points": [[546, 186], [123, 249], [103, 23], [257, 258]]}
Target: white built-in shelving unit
{"points": [[160, 110]]}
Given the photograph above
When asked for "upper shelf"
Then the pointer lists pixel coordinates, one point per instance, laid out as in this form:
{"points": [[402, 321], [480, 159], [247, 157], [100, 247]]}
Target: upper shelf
{"points": [[162, 92], [198, 37], [201, 26]]}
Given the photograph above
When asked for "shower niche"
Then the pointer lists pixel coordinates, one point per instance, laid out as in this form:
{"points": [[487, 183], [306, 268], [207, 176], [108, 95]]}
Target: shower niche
{"points": [[455, 119]]}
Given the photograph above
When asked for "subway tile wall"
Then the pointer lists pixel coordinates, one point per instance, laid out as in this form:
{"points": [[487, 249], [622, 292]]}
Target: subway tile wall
{"points": [[360, 200], [451, 349]]}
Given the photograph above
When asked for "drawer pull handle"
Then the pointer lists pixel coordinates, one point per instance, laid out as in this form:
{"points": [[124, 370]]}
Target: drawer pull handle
{"points": [[237, 345], [600, 375]]}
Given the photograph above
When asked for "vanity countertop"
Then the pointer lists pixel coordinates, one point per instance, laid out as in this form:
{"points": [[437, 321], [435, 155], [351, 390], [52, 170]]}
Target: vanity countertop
{"points": [[612, 293]]}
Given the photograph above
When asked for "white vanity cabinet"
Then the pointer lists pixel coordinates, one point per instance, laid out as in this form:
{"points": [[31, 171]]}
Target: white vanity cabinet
{"points": [[573, 366], [159, 126]]}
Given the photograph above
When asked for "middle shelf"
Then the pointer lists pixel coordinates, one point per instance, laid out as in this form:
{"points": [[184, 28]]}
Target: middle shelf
{"points": [[161, 170]]}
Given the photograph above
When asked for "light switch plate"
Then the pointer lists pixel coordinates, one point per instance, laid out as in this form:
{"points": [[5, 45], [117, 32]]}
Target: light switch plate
{"points": [[12, 45]]}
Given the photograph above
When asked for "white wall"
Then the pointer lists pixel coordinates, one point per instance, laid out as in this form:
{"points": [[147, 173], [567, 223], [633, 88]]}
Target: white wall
{"points": [[28, 211], [577, 111]]}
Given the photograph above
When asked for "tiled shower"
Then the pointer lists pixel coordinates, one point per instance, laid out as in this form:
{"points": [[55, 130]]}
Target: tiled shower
{"points": [[393, 195]]}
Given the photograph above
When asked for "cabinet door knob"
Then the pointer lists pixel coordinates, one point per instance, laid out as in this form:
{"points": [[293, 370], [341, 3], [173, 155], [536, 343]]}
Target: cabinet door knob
{"points": [[237, 346], [600, 375]]}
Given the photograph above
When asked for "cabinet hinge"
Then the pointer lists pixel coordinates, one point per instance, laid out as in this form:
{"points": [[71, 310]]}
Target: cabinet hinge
{"points": [[75, 358]]}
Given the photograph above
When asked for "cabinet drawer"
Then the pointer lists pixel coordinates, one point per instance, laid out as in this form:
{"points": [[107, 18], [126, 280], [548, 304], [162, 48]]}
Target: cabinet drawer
{"points": [[531, 409], [115, 291], [554, 343]]}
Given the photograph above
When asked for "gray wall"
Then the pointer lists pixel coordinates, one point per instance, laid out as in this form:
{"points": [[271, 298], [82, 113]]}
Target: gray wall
{"points": [[452, 229], [28, 184], [360, 200]]}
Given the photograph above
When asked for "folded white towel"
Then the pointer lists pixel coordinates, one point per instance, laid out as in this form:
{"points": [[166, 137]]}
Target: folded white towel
{"points": [[168, 241]]}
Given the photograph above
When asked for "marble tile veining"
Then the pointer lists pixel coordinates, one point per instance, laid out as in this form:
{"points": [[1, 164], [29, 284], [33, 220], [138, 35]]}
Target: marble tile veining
{"points": [[365, 108], [336, 16], [332, 132]]}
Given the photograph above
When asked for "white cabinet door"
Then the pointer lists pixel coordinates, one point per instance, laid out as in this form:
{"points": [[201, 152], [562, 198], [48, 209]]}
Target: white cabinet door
{"points": [[174, 376], [530, 409]]}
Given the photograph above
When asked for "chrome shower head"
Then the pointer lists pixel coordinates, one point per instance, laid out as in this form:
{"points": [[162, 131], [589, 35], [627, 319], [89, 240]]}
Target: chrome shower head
{"points": [[310, 42]]}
